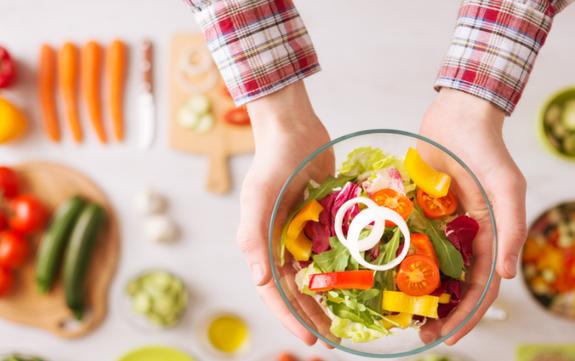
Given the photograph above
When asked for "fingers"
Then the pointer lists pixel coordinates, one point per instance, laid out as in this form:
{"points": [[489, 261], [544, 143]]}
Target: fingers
{"points": [[508, 196], [256, 209], [272, 298]]}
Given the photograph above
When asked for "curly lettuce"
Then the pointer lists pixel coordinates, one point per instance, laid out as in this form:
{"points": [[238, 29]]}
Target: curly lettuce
{"points": [[355, 331]]}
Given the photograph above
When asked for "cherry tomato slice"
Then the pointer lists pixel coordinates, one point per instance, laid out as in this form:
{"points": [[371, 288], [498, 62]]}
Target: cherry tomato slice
{"points": [[6, 280], [392, 199], [417, 276], [436, 207], [238, 116], [27, 214], [14, 249], [421, 245]]}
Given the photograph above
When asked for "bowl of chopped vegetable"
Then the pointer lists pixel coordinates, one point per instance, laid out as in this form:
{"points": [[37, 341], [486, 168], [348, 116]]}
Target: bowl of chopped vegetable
{"points": [[378, 236], [557, 123]]}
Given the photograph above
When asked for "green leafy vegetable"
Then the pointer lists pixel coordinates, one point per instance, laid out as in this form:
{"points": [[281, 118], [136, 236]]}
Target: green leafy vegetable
{"points": [[361, 160], [334, 260], [318, 192], [355, 331], [450, 260], [302, 279]]}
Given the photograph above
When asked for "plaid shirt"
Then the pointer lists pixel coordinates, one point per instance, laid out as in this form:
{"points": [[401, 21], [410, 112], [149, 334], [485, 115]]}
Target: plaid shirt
{"points": [[261, 46]]}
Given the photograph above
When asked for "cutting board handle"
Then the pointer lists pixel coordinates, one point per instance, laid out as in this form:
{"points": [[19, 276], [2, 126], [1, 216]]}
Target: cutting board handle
{"points": [[219, 174]]}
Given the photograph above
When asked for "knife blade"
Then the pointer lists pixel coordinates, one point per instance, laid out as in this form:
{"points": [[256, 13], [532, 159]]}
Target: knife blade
{"points": [[146, 104]]}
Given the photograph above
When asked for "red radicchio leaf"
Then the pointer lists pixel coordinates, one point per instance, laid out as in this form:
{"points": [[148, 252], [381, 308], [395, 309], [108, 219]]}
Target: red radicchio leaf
{"points": [[350, 190], [319, 232], [452, 287], [461, 232]]}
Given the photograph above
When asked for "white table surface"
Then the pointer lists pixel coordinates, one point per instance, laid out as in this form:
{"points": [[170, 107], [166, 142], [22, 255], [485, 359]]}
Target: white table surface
{"points": [[379, 60]]}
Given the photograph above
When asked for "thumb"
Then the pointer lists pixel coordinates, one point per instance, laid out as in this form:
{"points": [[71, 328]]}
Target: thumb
{"points": [[509, 206], [256, 206]]}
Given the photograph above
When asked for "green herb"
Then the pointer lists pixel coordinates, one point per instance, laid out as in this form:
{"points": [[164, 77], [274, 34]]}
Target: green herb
{"points": [[450, 260], [385, 280], [334, 260], [318, 192]]}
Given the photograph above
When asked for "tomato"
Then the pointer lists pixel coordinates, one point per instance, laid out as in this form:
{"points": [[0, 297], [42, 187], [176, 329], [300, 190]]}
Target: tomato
{"points": [[417, 276], [3, 221], [286, 356], [421, 245], [9, 184], [7, 68], [238, 116], [27, 214], [392, 199], [5, 281], [14, 249], [436, 207]]}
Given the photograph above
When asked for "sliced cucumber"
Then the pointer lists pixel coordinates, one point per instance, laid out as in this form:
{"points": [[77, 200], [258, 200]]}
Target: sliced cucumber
{"points": [[187, 118], [205, 123], [199, 104]]}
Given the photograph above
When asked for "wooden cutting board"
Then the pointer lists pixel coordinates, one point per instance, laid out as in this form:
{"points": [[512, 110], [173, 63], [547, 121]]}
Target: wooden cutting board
{"points": [[53, 184], [223, 140]]}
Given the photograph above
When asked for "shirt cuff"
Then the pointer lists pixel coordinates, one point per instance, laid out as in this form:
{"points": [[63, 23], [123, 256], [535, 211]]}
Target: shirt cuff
{"points": [[259, 46], [494, 48]]}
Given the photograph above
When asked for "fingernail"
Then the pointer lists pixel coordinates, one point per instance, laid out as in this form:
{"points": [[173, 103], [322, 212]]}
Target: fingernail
{"points": [[427, 337], [257, 273], [511, 265]]}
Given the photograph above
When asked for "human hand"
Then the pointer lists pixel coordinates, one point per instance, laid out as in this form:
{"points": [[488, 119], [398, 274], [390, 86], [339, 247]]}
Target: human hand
{"points": [[286, 130], [472, 129]]}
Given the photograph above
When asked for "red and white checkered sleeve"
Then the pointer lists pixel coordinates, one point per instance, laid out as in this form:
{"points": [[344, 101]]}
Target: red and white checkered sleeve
{"points": [[259, 46], [494, 47]]}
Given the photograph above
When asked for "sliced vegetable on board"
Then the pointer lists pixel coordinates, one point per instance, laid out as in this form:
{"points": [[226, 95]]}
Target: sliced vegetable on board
{"points": [[78, 255], [91, 86], [54, 242], [116, 63], [238, 116], [47, 92], [68, 73], [7, 69]]}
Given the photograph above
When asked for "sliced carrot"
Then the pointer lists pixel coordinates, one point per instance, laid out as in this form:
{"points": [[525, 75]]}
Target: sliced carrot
{"points": [[68, 74], [91, 71], [116, 68], [47, 84]]}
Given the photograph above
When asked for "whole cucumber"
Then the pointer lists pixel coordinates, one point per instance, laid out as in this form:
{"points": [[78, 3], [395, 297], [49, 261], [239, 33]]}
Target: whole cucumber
{"points": [[78, 255], [54, 242]]}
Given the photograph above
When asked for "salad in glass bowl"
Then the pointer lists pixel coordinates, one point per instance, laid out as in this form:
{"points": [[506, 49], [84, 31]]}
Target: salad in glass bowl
{"points": [[367, 256]]}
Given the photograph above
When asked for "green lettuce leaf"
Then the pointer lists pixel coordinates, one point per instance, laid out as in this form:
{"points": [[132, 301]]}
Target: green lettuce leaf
{"points": [[303, 276], [334, 260], [355, 331]]}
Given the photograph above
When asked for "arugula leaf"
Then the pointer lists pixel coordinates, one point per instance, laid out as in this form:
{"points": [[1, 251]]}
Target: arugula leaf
{"points": [[450, 260], [318, 193], [334, 260], [391, 247]]}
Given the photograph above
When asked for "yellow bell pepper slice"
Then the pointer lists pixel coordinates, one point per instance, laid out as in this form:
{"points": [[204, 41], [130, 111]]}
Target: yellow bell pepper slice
{"points": [[425, 306], [310, 212], [300, 247], [431, 181], [444, 298], [401, 320]]}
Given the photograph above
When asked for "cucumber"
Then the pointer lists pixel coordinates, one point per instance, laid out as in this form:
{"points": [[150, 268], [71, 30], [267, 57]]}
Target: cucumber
{"points": [[78, 255], [54, 242]]}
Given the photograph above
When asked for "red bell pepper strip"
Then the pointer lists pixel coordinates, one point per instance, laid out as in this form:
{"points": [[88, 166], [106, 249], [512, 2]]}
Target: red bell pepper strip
{"points": [[7, 68], [357, 280]]}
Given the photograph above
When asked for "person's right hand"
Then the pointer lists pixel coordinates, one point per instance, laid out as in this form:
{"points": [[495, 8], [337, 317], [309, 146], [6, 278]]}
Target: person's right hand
{"points": [[286, 130]]}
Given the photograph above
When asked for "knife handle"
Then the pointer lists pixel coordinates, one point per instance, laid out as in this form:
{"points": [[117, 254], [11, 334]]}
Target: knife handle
{"points": [[147, 65]]}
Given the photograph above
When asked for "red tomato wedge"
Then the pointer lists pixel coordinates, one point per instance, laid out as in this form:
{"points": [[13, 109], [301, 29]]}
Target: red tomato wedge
{"points": [[436, 207], [417, 276], [238, 116], [421, 245], [393, 200], [356, 280]]}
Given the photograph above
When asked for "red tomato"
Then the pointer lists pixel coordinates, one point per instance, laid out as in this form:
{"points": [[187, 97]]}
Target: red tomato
{"points": [[393, 200], [7, 68], [436, 207], [238, 116], [417, 276], [14, 249], [421, 245], [27, 214], [9, 185], [5, 281], [286, 356], [3, 221]]}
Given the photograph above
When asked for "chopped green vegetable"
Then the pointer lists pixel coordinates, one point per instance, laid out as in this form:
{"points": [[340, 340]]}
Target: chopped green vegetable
{"points": [[334, 260]]}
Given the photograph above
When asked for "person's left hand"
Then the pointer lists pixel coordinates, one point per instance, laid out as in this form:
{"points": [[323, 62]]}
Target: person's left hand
{"points": [[471, 128]]}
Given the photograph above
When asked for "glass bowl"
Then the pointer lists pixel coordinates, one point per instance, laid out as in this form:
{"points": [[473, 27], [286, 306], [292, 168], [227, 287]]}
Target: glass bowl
{"points": [[473, 200]]}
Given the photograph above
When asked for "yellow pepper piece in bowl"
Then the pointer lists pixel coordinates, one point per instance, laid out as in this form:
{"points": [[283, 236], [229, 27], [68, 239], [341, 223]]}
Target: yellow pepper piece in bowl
{"points": [[401, 320], [425, 306], [296, 242], [431, 181], [299, 247]]}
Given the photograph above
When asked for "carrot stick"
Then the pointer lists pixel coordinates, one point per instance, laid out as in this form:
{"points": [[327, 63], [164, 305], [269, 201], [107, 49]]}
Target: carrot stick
{"points": [[47, 84], [116, 68], [68, 74], [91, 71]]}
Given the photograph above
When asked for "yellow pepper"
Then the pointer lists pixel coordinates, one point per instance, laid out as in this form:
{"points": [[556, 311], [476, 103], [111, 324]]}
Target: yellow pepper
{"points": [[296, 242], [401, 320], [431, 181], [12, 121], [425, 306], [444, 298]]}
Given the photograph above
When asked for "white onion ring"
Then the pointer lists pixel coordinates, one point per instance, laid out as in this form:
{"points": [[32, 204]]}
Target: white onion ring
{"points": [[202, 66], [372, 214]]}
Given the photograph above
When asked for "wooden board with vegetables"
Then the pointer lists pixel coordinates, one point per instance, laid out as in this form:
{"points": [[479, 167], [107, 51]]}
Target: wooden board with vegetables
{"points": [[59, 288], [203, 118]]}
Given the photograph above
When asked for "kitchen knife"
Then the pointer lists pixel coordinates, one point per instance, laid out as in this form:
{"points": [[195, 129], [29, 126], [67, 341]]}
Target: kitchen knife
{"points": [[146, 105]]}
